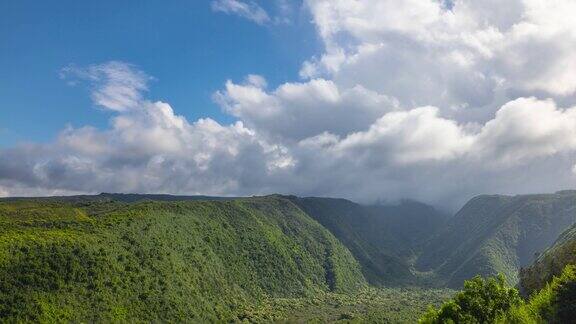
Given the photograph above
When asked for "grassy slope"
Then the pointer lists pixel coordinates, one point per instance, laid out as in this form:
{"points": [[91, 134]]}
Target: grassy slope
{"points": [[498, 234], [369, 305], [382, 238], [104, 260]]}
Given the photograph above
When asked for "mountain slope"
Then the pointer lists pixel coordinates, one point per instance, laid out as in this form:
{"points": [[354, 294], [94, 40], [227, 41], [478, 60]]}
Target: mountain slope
{"points": [[383, 239], [498, 234], [103, 260], [550, 263]]}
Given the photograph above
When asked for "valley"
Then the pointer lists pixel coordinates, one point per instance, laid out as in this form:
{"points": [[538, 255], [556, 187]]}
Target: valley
{"points": [[115, 257]]}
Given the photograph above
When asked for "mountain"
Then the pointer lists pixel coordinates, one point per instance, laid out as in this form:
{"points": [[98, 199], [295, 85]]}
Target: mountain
{"points": [[497, 234], [120, 197], [129, 198], [99, 259], [550, 263], [118, 257], [384, 239]]}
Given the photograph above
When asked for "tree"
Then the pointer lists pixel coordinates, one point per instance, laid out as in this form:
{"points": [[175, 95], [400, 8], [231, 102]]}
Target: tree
{"points": [[565, 299], [481, 301]]}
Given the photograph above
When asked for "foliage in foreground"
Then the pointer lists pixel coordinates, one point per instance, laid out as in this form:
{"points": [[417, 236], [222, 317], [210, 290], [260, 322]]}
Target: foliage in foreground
{"points": [[550, 263], [492, 301], [481, 301], [555, 303]]}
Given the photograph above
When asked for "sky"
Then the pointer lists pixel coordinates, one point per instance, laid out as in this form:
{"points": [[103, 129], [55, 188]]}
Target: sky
{"points": [[189, 48], [371, 100]]}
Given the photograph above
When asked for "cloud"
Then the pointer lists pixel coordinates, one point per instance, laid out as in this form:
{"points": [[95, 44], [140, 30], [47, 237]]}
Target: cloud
{"points": [[116, 85], [148, 148], [245, 9], [295, 111], [413, 99], [468, 60], [399, 153], [527, 128]]}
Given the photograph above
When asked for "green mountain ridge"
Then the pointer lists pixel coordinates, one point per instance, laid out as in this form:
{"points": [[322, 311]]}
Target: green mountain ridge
{"points": [[497, 234]]}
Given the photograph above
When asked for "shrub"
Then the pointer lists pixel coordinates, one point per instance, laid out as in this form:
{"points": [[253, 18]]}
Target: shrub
{"points": [[481, 301]]}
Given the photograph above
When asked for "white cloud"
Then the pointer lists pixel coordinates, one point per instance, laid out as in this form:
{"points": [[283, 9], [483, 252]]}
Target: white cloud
{"points": [[527, 128], [246, 9], [408, 99], [417, 135], [148, 148], [117, 86], [392, 153], [476, 55], [295, 111]]}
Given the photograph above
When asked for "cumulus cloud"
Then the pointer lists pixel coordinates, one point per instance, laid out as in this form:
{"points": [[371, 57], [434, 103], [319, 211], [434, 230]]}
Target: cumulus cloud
{"points": [[473, 55], [245, 9], [419, 99], [148, 148], [527, 128], [295, 111]]}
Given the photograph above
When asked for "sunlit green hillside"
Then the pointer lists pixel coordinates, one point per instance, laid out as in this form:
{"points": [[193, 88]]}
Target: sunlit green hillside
{"points": [[205, 260]]}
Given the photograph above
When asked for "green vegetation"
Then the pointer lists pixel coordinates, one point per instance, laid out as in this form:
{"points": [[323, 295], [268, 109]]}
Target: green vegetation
{"points": [[497, 234], [551, 262], [368, 305], [555, 303], [152, 261], [492, 301], [384, 239], [118, 258], [551, 282], [481, 301]]}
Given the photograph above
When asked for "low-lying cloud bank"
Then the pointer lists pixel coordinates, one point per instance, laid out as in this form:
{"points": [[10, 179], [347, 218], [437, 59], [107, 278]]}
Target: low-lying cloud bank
{"points": [[413, 99]]}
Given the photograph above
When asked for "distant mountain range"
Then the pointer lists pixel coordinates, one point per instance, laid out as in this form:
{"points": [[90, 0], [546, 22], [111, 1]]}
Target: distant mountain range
{"points": [[114, 257]]}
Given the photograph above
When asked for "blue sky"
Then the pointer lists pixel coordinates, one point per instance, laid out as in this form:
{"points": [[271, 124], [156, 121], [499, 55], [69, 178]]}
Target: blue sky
{"points": [[188, 48]]}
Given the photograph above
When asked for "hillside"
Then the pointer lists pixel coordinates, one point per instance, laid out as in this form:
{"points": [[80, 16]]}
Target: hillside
{"points": [[498, 234], [384, 239], [116, 257], [550, 263], [118, 197], [104, 260]]}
